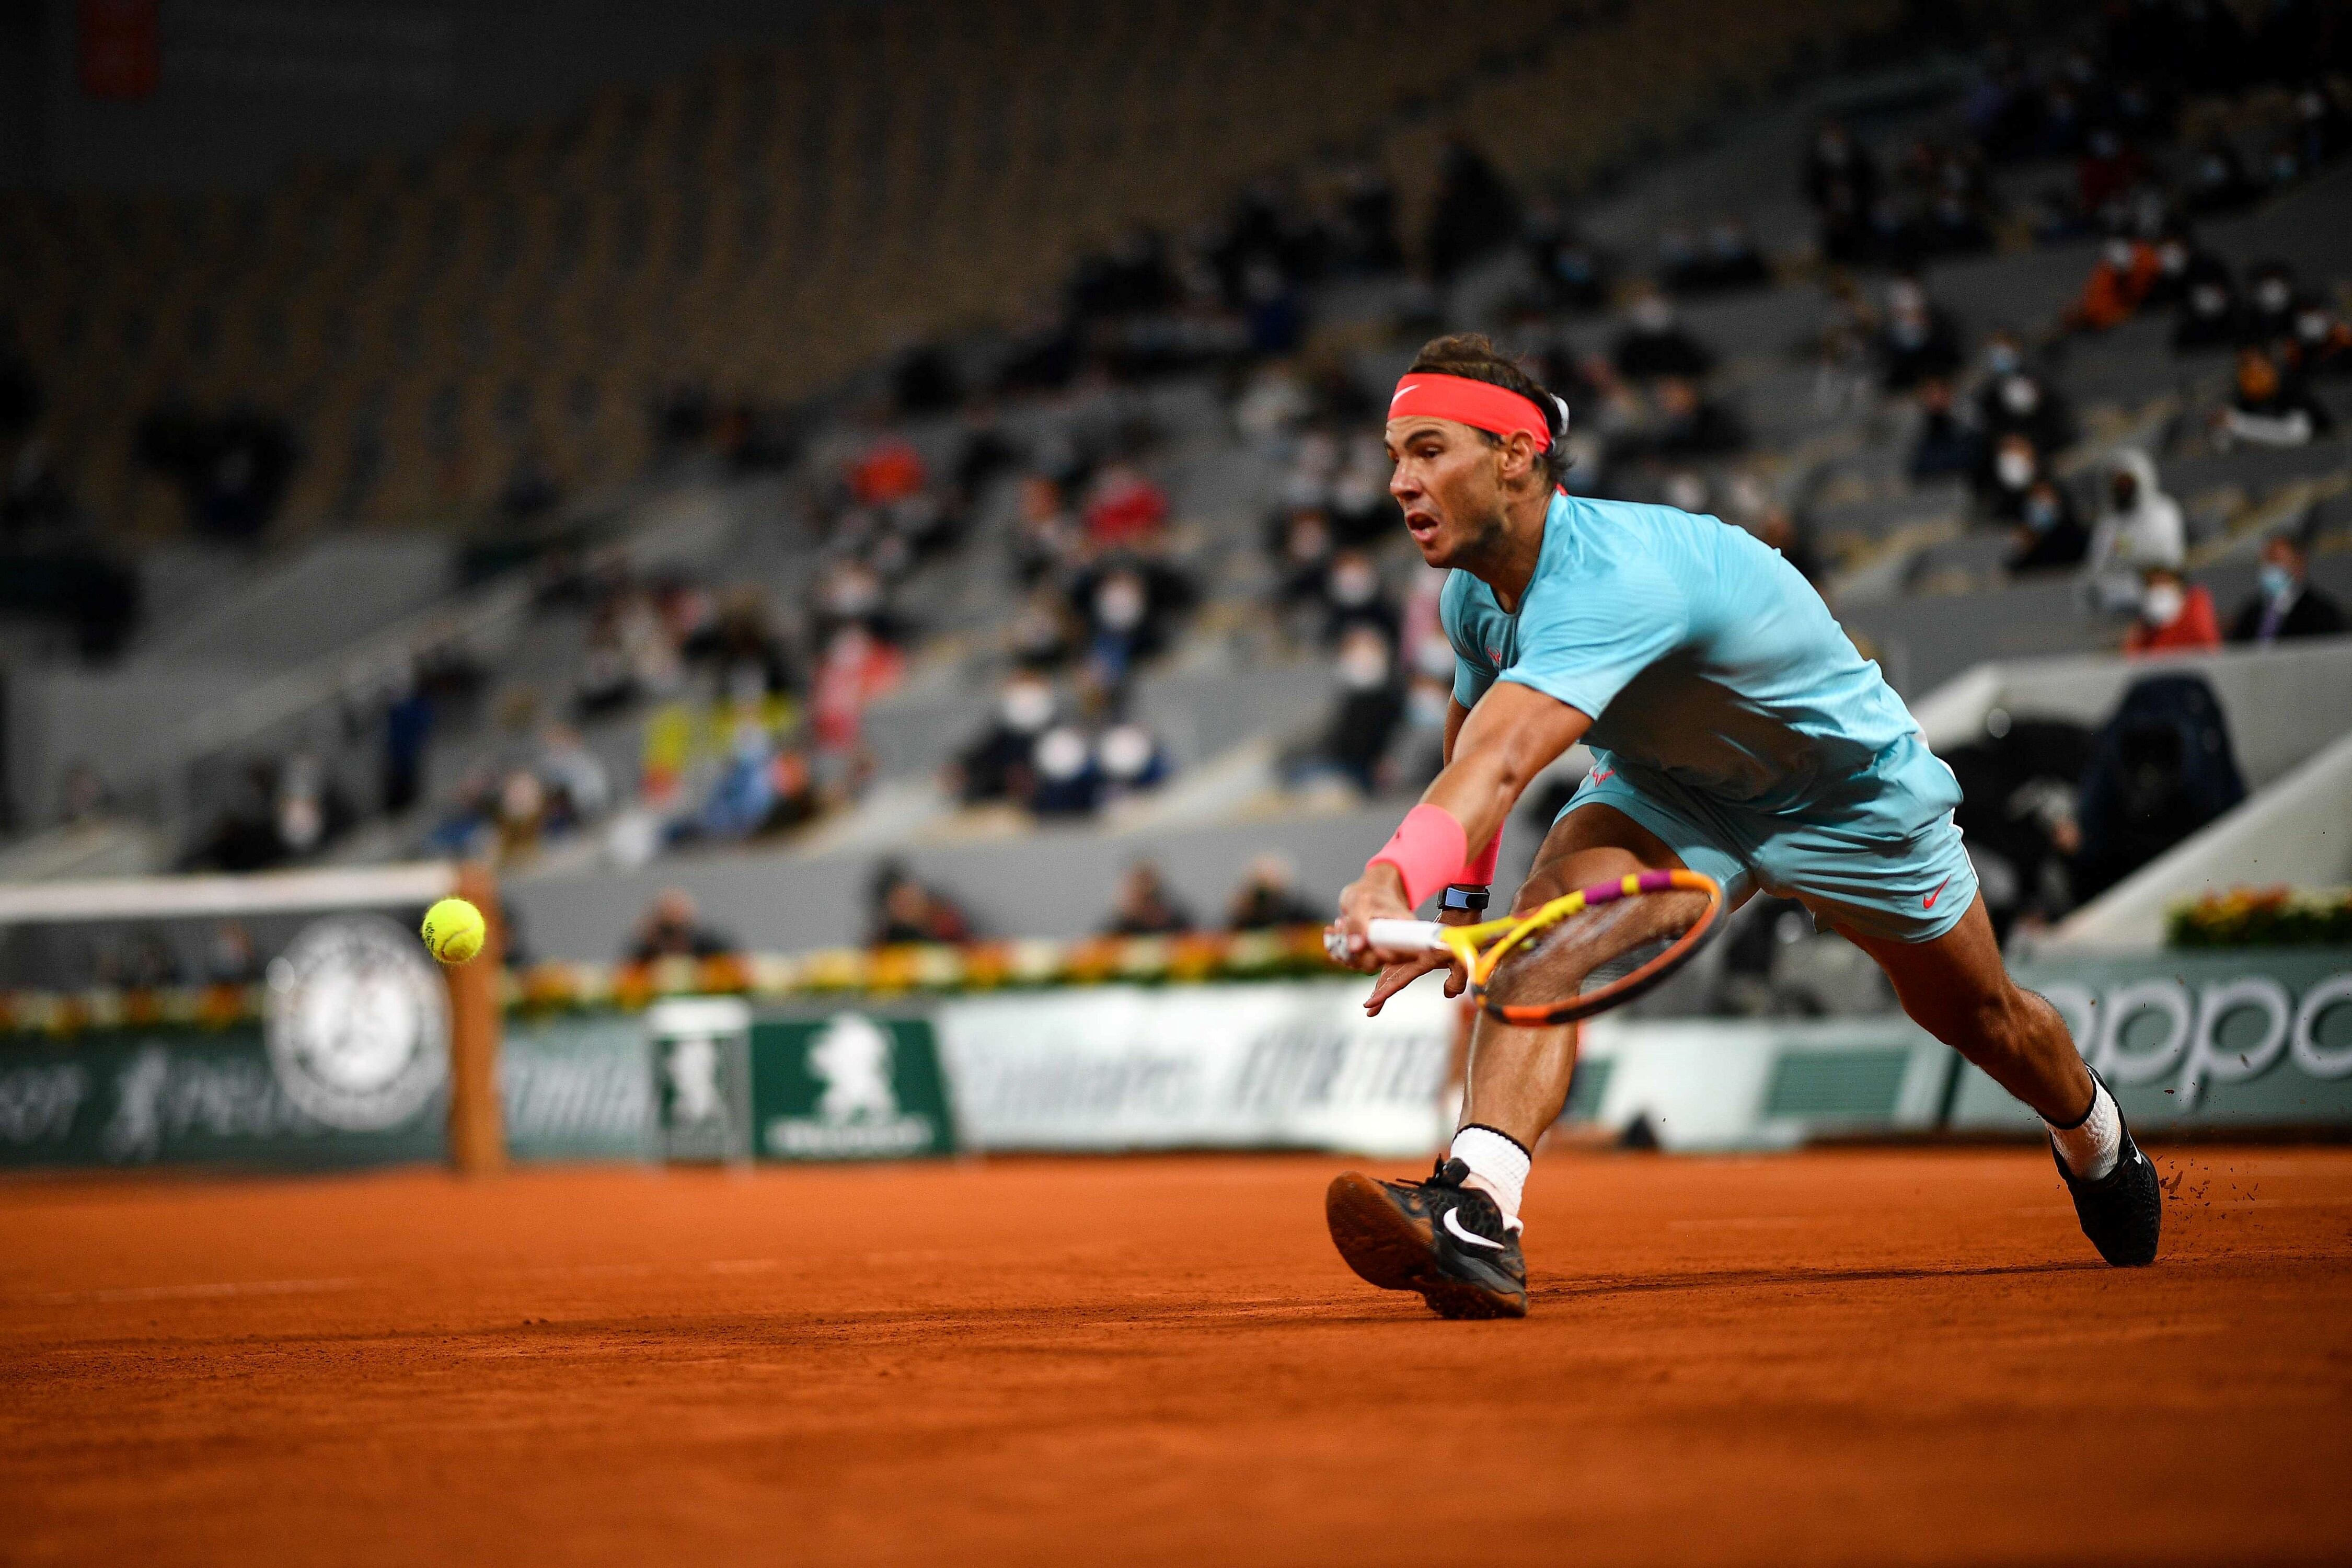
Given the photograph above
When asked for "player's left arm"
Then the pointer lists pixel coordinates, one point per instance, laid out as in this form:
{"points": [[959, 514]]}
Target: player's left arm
{"points": [[1513, 734]]}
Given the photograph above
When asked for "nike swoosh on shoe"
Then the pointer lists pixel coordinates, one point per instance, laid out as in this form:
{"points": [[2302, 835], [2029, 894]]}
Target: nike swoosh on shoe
{"points": [[1453, 1225]]}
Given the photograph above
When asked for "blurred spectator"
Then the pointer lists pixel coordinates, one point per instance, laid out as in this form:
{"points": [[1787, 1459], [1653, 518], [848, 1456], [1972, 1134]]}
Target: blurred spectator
{"points": [[579, 786], [1654, 343], [1066, 777], [1046, 539], [2159, 770], [1571, 275], [407, 730], [2175, 615], [230, 958], [1302, 546], [1690, 424], [1353, 595], [1268, 897], [1918, 341], [1126, 508], [2272, 405], [852, 592], [2014, 398], [2139, 527], [1474, 213], [890, 469], [856, 670], [2049, 535], [2206, 312], [2016, 470], [1842, 184], [1725, 259], [672, 927], [83, 797], [1129, 760], [2285, 604], [903, 909], [998, 764], [2322, 344], [2218, 181], [1946, 445], [1372, 701], [2271, 301], [1145, 906], [1130, 604], [2018, 809]]}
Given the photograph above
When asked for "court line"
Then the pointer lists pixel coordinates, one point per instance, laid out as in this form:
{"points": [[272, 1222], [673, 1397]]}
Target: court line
{"points": [[188, 1292]]}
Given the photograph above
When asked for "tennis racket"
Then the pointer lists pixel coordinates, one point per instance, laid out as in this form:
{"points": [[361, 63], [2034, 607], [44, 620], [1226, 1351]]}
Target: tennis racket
{"points": [[1578, 954]]}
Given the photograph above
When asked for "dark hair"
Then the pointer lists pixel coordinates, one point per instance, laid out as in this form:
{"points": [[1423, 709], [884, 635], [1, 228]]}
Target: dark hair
{"points": [[1475, 357]]}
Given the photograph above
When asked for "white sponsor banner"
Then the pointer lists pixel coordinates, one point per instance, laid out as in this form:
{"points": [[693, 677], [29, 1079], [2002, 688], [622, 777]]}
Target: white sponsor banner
{"points": [[1291, 1064]]}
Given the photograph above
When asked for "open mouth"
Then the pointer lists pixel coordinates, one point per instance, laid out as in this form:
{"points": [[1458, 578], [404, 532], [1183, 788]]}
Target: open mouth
{"points": [[1421, 525]]}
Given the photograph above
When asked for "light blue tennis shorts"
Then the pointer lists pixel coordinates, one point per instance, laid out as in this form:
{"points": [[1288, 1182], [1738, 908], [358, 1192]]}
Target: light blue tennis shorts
{"points": [[1898, 869]]}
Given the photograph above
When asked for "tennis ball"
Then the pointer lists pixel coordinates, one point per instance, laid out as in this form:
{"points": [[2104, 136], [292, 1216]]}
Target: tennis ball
{"points": [[454, 930]]}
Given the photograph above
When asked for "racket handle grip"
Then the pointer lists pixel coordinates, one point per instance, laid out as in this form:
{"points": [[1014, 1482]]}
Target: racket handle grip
{"points": [[1406, 936]]}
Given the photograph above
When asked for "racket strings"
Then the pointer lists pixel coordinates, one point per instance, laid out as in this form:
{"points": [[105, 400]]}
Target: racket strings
{"points": [[1594, 948]]}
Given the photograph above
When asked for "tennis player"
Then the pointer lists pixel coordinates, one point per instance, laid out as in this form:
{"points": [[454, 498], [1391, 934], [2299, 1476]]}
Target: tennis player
{"points": [[1735, 731]]}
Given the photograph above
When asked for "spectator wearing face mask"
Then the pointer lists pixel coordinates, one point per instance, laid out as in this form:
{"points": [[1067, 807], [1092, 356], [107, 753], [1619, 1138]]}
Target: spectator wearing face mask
{"points": [[2175, 615], [1918, 341], [1353, 595], [2015, 398], [1372, 701], [1269, 897], [2119, 281], [1129, 760], [2270, 301], [2049, 535], [2139, 527], [2272, 405], [2207, 312], [2285, 606], [2015, 469], [996, 764], [2322, 344], [1946, 444]]}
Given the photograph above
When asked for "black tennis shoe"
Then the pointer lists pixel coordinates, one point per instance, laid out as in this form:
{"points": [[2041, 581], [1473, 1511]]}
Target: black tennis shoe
{"points": [[1439, 1238], [2123, 1211]]}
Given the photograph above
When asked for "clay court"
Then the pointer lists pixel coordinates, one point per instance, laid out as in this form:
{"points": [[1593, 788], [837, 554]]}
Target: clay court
{"points": [[1858, 1357]]}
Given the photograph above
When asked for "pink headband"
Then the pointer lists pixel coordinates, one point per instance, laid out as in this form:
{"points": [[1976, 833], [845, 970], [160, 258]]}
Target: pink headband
{"points": [[1480, 405]]}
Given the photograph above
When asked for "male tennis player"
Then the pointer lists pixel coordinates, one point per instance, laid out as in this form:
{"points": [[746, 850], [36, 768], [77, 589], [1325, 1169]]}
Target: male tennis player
{"points": [[1735, 731]]}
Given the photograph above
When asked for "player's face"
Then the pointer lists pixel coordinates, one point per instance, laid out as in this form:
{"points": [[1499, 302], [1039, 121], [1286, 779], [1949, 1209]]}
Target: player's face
{"points": [[1448, 480]]}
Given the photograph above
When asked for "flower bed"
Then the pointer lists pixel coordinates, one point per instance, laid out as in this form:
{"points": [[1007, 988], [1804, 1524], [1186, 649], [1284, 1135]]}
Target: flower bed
{"points": [[2262, 917]]}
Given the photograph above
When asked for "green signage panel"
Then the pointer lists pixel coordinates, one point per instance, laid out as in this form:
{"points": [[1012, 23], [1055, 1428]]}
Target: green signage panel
{"points": [[183, 1095], [848, 1084]]}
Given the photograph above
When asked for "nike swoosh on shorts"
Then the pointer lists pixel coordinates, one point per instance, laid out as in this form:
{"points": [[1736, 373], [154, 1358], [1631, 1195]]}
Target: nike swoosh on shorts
{"points": [[1929, 902]]}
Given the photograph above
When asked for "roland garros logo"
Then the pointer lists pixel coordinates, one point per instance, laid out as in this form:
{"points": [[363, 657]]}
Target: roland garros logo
{"points": [[357, 1024]]}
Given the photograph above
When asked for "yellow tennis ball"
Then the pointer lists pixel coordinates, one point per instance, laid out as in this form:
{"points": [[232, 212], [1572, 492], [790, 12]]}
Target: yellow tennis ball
{"points": [[454, 930]]}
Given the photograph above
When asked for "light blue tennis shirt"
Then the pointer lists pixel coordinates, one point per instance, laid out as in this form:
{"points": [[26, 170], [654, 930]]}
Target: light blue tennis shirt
{"points": [[1704, 655]]}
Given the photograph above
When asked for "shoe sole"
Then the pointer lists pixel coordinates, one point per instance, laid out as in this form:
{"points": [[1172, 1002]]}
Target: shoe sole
{"points": [[1388, 1248]]}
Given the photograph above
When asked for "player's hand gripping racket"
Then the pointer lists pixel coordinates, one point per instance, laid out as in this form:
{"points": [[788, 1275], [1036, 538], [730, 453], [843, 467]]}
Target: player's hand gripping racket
{"points": [[1579, 954]]}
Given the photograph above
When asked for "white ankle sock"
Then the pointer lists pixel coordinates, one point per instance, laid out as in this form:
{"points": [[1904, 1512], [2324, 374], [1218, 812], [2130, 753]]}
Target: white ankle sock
{"points": [[1498, 1167], [2093, 1145]]}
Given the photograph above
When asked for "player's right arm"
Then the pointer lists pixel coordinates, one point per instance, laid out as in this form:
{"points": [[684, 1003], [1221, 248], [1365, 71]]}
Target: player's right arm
{"points": [[1494, 751]]}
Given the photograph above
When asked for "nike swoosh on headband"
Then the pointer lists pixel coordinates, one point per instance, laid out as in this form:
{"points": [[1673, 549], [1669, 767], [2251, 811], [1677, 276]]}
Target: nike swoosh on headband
{"points": [[1473, 1238]]}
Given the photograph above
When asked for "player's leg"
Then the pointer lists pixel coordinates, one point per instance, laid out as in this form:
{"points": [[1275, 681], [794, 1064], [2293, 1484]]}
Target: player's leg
{"points": [[1517, 1078], [1956, 987], [1454, 1237], [1913, 905]]}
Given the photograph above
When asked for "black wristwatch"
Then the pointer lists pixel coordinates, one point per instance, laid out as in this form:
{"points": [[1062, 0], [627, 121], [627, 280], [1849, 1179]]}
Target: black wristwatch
{"points": [[1473, 900]]}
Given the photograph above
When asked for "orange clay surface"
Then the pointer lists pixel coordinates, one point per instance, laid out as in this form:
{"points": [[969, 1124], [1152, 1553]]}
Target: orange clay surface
{"points": [[1862, 1357]]}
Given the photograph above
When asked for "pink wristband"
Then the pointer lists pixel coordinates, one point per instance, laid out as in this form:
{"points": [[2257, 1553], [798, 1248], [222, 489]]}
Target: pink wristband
{"points": [[1427, 849], [1480, 873]]}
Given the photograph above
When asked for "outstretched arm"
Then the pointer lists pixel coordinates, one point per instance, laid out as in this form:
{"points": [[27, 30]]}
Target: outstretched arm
{"points": [[1513, 734]]}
